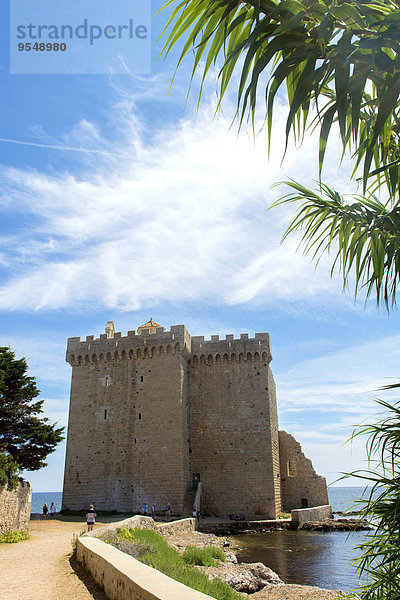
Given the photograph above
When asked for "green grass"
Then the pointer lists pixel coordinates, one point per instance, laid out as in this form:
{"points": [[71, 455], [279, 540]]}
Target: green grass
{"points": [[153, 550], [12, 537]]}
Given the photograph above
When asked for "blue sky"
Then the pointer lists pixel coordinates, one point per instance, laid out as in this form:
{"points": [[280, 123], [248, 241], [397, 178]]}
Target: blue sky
{"points": [[118, 202]]}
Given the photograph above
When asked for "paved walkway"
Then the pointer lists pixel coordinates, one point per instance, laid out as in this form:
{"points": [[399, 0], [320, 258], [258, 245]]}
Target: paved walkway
{"points": [[40, 568]]}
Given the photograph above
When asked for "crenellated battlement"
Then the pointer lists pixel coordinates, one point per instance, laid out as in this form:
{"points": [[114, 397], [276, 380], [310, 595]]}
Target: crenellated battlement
{"points": [[130, 346], [114, 346], [231, 348]]}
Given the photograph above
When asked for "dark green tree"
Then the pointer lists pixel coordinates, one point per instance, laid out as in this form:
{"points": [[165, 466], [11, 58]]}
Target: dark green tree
{"points": [[25, 437]]}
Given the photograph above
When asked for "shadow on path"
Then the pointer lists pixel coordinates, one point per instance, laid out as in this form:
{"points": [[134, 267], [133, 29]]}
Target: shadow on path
{"points": [[91, 585]]}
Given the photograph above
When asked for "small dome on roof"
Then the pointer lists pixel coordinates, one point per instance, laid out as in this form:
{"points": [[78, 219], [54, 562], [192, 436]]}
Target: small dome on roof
{"points": [[151, 326]]}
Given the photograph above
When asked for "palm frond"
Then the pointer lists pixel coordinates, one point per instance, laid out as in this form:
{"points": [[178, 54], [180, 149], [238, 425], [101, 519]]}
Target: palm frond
{"points": [[364, 237]]}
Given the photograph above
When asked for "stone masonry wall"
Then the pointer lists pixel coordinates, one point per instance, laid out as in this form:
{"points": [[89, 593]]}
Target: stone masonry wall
{"points": [[15, 507], [307, 515], [233, 426], [127, 434], [301, 485]]}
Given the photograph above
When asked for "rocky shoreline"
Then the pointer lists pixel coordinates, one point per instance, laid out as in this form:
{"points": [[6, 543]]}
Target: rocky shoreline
{"points": [[249, 527], [254, 581]]}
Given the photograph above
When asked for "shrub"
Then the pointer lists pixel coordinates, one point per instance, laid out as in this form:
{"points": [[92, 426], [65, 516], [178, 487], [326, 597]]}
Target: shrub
{"points": [[123, 541], [203, 556], [12, 537]]}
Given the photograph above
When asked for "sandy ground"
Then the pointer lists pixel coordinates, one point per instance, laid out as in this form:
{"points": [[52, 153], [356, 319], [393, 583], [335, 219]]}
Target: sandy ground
{"points": [[41, 568]]}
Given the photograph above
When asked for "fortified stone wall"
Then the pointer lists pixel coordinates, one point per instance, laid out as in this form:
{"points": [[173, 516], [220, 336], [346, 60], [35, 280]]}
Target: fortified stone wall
{"points": [[302, 487], [127, 433], [15, 507], [233, 426]]}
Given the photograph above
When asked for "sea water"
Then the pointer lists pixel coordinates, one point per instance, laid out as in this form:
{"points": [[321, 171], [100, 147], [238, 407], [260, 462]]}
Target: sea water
{"points": [[39, 498], [323, 559]]}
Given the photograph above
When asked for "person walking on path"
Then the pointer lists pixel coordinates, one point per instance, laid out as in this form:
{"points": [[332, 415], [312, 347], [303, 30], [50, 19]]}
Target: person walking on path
{"points": [[45, 510], [52, 510], [90, 518]]}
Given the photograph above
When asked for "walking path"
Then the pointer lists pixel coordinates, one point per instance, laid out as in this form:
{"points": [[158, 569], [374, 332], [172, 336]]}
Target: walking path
{"points": [[40, 568]]}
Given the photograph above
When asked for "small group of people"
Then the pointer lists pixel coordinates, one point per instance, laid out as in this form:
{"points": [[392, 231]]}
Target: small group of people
{"points": [[46, 510], [153, 513]]}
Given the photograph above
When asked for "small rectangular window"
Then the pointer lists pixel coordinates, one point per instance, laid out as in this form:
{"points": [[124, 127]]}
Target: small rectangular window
{"points": [[140, 416], [141, 378], [105, 414]]}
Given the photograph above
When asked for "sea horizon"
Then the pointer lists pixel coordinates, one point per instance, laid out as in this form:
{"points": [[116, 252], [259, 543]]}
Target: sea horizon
{"points": [[341, 498]]}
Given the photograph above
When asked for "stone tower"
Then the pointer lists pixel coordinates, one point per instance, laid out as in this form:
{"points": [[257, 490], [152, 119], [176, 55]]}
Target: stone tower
{"points": [[154, 411]]}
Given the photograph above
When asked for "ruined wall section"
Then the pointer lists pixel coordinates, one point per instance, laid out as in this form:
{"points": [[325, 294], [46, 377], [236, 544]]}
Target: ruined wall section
{"points": [[302, 487], [233, 426], [15, 507], [127, 434]]}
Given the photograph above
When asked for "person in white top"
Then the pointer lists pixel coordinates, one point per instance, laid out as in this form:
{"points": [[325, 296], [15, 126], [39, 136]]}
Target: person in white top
{"points": [[90, 518]]}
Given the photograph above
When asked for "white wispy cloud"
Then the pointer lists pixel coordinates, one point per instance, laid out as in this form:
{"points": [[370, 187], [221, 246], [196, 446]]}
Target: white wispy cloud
{"points": [[344, 379], [323, 400], [55, 147], [183, 217]]}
